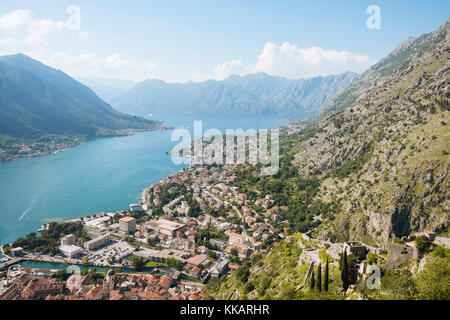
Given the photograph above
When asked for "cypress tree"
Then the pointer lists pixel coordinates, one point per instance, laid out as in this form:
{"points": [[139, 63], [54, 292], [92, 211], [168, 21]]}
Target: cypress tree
{"points": [[344, 272], [319, 277], [325, 280], [312, 282]]}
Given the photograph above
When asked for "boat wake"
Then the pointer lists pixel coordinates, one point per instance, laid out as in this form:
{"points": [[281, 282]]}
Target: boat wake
{"points": [[32, 203], [23, 214]]}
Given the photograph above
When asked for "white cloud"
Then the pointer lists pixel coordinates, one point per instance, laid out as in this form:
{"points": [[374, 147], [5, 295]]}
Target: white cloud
{"points": [[291, 61], [227, 68], [21, 27], [111, 66], [15, 19]]}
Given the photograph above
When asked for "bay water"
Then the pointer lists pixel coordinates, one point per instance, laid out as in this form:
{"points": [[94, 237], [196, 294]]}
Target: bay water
{"points": [[102, 175]]}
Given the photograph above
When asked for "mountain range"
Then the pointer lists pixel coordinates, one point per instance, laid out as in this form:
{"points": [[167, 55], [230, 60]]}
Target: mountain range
{"points": [[106, 88], [253, 94], [38, 100]]}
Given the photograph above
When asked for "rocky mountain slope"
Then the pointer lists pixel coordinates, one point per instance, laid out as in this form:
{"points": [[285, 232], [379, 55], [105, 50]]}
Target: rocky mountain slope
{"points": [[381, 148], [254, 94]]}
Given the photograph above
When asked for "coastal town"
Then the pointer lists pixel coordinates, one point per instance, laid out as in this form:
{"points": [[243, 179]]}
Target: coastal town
{"points": [[192, 229], [13, 149], [35, 149], [189, 229]]}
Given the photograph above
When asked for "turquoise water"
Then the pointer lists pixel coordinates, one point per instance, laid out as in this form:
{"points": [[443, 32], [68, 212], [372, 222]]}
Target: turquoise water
{"points": [[101, 175]]}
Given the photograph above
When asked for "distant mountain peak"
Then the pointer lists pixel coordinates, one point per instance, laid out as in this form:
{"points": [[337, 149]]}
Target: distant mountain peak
{"points": [[251, 94]]}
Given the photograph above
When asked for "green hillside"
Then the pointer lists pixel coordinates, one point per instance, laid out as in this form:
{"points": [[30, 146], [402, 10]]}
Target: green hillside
{"points": [[43, 107]]}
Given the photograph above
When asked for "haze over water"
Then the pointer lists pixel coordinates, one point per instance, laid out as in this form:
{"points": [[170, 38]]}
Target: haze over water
{"points": [[103, 175]]}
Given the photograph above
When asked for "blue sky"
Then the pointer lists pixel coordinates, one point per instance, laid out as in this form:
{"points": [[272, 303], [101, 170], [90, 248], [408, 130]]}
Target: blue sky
{"points": [[198, 40]]}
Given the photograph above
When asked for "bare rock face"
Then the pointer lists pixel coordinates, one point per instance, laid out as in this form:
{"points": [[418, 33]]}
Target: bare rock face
{"points": [[400, 254]]}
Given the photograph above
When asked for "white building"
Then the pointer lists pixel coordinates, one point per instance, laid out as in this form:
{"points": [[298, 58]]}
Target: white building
{"points": [[97, 242], [70, 250], [18, 251], [168, 227], [68, 240], [219, 268], [127, 224]]}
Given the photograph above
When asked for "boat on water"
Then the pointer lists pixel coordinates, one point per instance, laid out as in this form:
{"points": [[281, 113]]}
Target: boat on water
{"points": [[58, 151], [3, 259]]}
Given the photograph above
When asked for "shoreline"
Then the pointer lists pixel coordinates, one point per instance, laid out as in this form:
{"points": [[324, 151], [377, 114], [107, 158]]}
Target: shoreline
{"points": [[77, 143], [142, 193], [44, 154]]}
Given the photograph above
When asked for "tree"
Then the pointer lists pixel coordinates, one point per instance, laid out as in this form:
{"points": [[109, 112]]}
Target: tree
{"points": [[398, 284], [353, 266], [325, 279], [175, 263], [312, 282], [423, 244], [212, 254], [344, 272], [138, 263], [249, 287], [319, 277], [434, 281], [234, 252], [243, 272]]}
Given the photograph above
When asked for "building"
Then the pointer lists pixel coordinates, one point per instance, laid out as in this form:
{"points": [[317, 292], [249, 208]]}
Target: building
{"points": [[96, 293], [127, 225], [17, 252], [70, 250], [198, 260], [92, 234], [222, 245], [355, 248], [10, 293], [236, 238], [221, 267], [41, 288], [97, 242], [168, 227], [68, 240], [165, 254], [183, 244], [225, 226]]}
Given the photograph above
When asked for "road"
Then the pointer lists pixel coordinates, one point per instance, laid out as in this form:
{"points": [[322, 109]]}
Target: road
{"points": [[10, 262]]}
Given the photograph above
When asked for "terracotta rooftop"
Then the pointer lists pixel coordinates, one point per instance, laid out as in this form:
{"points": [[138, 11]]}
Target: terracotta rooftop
{"points": [[127, 219]]}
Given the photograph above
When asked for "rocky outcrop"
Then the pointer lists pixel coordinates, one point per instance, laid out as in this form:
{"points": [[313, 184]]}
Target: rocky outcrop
{"points": [[400, 253]]}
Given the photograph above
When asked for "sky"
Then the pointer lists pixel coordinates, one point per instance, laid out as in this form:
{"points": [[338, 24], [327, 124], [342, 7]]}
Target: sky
{"points": [[196, 40]]}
